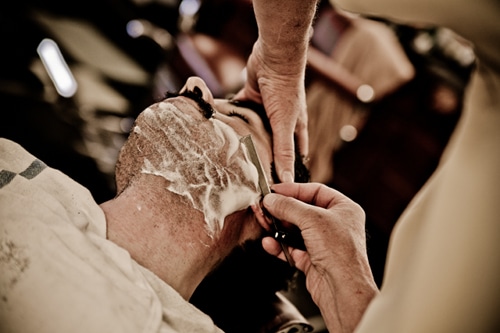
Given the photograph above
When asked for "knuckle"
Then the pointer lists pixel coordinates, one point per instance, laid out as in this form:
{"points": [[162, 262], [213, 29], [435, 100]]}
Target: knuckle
{"points": [[357, 210], [285, 153], [284, 204]]}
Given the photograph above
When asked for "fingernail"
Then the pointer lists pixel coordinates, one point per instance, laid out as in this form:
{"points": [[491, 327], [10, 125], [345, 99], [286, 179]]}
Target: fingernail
{"points": [[286, 177]]}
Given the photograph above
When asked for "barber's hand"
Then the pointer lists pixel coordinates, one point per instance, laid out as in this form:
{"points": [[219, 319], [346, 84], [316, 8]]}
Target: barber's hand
{"points": [[279, 86], [338, 275], [331, 224]]}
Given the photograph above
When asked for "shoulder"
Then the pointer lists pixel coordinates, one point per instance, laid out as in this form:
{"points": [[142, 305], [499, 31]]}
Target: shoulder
{"points": [[30, 188], [477, 21]]}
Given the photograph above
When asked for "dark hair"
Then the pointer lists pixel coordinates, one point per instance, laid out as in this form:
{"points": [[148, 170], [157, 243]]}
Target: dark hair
{"points": [[302, 174]]}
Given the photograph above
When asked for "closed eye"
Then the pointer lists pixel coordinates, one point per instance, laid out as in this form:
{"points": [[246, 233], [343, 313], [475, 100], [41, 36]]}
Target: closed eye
{"points": [[238, 115]]}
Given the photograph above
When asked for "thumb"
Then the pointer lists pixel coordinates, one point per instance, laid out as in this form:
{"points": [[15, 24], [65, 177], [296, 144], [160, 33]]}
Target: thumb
{"points": [[290, 209]]}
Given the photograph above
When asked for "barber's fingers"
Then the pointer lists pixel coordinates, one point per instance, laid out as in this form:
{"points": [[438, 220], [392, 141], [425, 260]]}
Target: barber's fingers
{"points": [[284, 147], [273, 247], [287, 117], [311, 206], [286, 108], [284, 124], [312, 193], [248, 92], [292, 210]]}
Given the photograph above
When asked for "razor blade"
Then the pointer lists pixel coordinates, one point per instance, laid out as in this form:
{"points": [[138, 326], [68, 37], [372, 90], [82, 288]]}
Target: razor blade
{"points": [[279, 234]]}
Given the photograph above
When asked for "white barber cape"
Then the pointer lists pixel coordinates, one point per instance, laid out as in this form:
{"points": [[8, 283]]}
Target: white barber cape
{"points": [[59, 273], [443, 265]]}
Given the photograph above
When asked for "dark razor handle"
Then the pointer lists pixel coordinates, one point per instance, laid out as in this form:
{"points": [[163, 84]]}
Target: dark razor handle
{"points": [[291, 237]]}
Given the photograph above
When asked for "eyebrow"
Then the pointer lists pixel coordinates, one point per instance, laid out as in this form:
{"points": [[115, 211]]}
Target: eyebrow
{"points": [[196, 95], [301, 172], [257, 108], [207, 110]]}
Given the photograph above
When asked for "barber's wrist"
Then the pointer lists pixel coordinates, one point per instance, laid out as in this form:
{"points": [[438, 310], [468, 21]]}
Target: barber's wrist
{"points": [[345, 296], [290, 57], [286, 65], [284, 30]]}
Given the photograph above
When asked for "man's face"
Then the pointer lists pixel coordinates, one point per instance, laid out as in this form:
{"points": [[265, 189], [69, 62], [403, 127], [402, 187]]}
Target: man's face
{"points": [[196, 148], [242, 120]]}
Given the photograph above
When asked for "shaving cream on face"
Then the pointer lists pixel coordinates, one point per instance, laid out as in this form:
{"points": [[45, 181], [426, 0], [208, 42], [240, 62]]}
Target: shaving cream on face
{"points": [[202, 159]]}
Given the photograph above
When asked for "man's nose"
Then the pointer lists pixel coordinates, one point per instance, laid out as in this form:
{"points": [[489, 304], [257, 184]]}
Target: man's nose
{"points": [[194, 82]]}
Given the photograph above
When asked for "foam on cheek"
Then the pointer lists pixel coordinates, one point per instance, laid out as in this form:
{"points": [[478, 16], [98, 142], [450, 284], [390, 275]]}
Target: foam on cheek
{"points": [[203, 160]]}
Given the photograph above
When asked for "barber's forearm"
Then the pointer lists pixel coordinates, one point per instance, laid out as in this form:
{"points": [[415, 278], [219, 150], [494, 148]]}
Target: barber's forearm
{"points": [[349, 292], [284, 27]]}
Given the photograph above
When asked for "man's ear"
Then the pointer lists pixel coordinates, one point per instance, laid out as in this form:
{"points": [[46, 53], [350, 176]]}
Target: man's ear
{"points": [[260, 217]]}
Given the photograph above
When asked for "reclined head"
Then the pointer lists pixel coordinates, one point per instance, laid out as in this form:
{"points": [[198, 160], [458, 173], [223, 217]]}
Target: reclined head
{"points": [[192, 142]]}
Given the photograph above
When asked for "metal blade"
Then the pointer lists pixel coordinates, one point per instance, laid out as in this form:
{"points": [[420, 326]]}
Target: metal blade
{"points": [[265, 189], [252, 152]]}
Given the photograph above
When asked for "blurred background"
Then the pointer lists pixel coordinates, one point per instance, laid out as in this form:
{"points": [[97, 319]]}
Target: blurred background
{"points": [[383, 99]]}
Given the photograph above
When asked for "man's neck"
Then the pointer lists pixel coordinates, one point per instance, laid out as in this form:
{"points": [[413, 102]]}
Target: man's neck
{"points": [[166, 236]]}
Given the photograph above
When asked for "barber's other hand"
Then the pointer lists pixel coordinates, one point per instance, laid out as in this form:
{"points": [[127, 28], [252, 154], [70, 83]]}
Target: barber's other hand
{"points": [[338, 275], [279, 86]]}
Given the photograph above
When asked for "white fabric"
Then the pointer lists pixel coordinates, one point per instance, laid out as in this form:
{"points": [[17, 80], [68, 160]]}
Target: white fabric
{"points": [[443, 268], [58, 271]]}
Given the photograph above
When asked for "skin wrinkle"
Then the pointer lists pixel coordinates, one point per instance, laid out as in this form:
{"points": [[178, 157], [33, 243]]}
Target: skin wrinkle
{"points": [[279, 33]]}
